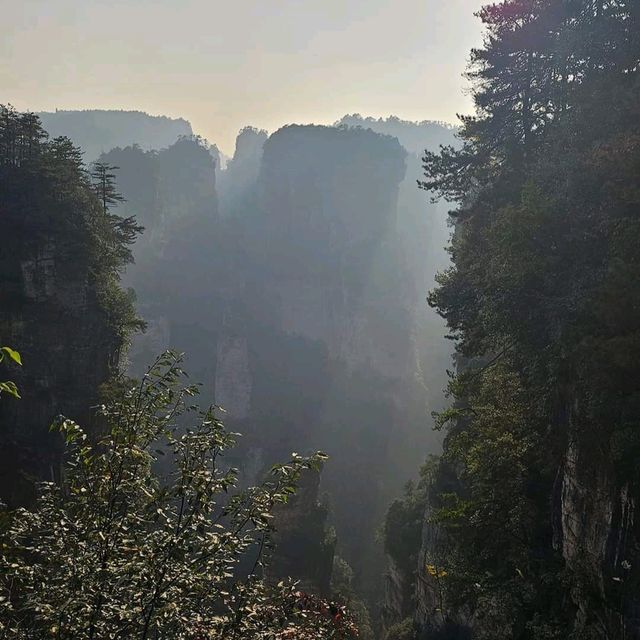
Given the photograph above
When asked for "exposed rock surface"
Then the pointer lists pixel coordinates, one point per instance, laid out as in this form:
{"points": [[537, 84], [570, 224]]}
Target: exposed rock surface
{"points": [[597, 532], [599, 536], [433, 617], [336, 295], [233, 378], [291, 280], [237, 181], [394, 601]]}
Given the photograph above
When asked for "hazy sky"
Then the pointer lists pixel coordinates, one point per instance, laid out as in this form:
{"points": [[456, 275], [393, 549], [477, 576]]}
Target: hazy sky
{"points": [[226, 64]]}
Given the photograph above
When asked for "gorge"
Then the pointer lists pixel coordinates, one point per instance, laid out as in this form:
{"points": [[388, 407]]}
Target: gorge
{"points": [[376, 378]]}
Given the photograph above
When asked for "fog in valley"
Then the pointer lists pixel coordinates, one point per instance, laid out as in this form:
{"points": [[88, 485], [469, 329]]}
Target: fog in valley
{"points": [[328, 338]]}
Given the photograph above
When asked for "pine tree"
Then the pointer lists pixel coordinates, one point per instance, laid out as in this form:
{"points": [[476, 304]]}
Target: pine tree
{"points": [[104, 183]]}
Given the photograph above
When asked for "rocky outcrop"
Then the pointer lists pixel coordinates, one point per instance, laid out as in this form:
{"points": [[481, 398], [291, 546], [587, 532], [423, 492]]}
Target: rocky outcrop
{"points": [[337, 295], [175, 276], [423, 232], [598, 534], [434, 619], [233, 378], [326, 301], [393, 601], [297, 303], [237, 182]]}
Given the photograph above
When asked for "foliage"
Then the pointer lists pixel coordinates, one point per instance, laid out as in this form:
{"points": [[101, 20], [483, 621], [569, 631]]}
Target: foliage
{"points": [[401, 631], [60, 277], [342, 590], [543, 301], [129, 546], [8, 386]]}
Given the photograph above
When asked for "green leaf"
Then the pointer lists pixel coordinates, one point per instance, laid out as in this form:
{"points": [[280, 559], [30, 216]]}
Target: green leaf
{"points": [[10, 388], [14, 355]]}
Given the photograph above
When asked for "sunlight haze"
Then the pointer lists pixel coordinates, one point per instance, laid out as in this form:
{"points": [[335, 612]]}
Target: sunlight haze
{"points": [[224, 65]]}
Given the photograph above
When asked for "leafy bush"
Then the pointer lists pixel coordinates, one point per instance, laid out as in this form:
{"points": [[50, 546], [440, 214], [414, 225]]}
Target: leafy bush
{"points": [[126, 547], [401, 631]]}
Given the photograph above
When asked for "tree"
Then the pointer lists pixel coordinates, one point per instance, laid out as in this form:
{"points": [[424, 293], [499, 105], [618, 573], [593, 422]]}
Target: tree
{"points": [[127, 546], [542, 299], [124, 230], [47, 198], [104, 183]]}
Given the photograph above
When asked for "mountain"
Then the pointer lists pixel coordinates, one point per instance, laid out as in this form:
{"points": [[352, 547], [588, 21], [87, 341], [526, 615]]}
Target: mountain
{"points": [[96, 131]]}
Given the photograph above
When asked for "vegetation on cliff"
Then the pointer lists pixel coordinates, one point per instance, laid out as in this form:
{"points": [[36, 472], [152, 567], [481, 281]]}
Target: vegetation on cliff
{"points": [[63, 309], [8, 386], [543, 301]]}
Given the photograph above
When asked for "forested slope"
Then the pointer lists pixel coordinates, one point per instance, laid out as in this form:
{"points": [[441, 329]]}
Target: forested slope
{"points": [[531, 530]]}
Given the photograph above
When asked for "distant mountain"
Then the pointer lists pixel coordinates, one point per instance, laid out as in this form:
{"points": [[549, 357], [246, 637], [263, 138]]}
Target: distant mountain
{"points": [[415, 137], [97, 131]]}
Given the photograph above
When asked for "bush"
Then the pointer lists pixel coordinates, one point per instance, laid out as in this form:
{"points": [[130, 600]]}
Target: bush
{"points": [[120, 549]]}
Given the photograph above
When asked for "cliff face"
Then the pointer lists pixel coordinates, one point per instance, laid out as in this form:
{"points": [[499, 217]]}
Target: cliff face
{"points": [[67, 348], [297, 301], [329, 203], [394, 602], [423, 231], [324, 341], [328, 303], [172, 192], [597, 537], [304, 546], [598, 534], [237, 182], [434, 617]]}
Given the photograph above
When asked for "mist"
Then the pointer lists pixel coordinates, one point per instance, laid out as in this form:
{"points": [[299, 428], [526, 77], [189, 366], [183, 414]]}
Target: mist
{"points": [[319, 320]]}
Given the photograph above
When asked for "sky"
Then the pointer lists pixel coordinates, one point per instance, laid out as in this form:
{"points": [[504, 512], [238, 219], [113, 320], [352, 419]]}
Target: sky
{"points": [[225, 64]]}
